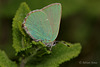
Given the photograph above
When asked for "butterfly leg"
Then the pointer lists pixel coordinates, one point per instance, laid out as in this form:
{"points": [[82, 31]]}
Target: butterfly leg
{"points": [[37, 40], [50, 45]]}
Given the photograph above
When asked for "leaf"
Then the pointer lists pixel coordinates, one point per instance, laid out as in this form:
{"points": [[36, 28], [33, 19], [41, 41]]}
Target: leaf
{"points": [[60, 53], [20, 40], [5, 61]]}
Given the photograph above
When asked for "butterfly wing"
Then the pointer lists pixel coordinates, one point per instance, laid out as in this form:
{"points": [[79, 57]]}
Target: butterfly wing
{"points": [[37, 25], [53, 12]]}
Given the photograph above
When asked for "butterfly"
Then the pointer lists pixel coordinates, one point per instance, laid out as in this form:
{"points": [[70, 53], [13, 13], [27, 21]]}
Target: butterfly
{"points": [[43, 24]]}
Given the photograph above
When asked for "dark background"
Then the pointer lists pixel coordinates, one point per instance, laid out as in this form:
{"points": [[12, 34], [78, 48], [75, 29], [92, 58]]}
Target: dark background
{"points": [[80, 23]]}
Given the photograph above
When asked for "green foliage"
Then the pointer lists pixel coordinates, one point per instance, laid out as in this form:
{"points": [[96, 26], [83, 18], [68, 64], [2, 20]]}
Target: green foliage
{"points": [[37, 54], [5, 61], [38, 50], [20, 40], [60, 53]]}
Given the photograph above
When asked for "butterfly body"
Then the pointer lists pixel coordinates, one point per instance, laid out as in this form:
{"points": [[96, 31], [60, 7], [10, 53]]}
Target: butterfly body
{"points": [[43, 25]]}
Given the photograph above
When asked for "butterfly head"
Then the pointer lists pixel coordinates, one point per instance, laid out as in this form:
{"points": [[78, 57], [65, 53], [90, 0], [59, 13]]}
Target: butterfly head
{"points": [[48, 43]]}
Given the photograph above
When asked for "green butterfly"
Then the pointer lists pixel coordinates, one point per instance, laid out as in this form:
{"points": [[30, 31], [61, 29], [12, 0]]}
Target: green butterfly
{"points": [[43, 24]]}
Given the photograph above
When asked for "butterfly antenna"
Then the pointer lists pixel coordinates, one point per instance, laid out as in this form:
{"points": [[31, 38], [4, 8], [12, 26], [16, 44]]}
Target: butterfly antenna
{"points": [[61, 42]]}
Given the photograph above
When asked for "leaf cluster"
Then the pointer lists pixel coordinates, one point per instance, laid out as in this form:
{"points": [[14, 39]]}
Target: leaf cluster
{"points": [[35, 54]]}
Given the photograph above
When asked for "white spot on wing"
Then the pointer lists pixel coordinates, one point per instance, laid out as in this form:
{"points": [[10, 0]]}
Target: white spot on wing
{"points": [[46, 19]]}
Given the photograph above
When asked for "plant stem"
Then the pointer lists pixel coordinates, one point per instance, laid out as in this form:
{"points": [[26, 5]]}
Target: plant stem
{"points": [[22, 63], [28, 58], [23, 42]]}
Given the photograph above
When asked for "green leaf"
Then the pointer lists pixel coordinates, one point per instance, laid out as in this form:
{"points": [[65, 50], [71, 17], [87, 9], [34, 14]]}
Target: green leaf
{"points": [[20, 40], [60, 53], [5, 61]]}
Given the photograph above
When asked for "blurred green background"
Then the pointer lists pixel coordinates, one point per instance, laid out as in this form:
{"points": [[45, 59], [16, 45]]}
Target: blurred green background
{"points": [[80, 23]]}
